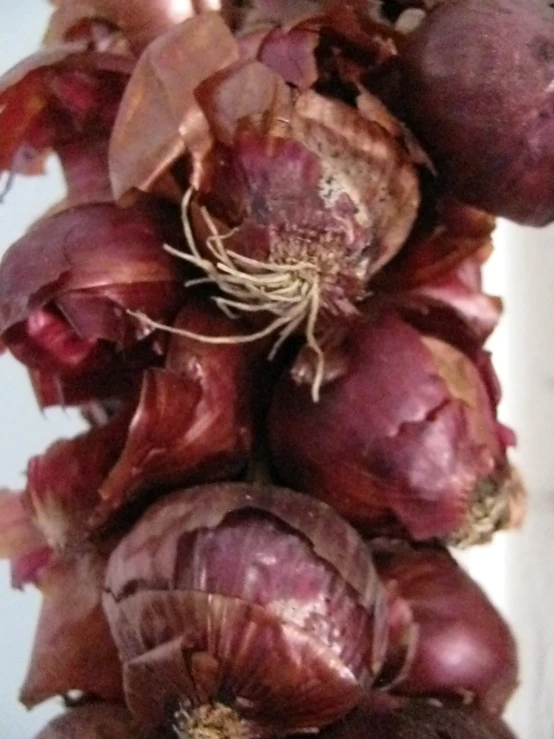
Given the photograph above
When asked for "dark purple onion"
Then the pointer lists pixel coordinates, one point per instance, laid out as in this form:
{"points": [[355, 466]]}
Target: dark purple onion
{"points": [[387, 718], [478, 91], [236, 602], [404, 436], [463, 647], [97, 720], [66, 291]]}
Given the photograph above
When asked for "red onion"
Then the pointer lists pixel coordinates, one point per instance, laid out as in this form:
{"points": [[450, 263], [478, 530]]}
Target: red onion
{"points": [[255, 609], [389, 718], [122, 23], [404, 435], [93, 721], [478, 92], [72, 649], [65, 291], [191, 423], [463, 647], [302, 197], [55, 97]]}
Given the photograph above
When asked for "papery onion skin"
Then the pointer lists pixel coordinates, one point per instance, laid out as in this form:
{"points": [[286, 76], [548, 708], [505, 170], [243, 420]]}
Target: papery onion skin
{"points": [[478, 92], [99, 720], [464, 648], [56, 96], [21, 541], [137, 22], [73, 648], [210, 574], [159, 119], [190, 422], [66, 288], [330, 189], [405, 437], [384, 717]]}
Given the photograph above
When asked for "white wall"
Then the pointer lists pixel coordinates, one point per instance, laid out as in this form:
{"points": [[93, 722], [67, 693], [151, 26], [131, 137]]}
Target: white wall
{"points": [[518, 569]]}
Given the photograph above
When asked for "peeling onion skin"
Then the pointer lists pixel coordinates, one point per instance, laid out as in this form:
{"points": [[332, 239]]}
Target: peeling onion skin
{"points": [[403, 439], [93, 721], [257, 597], [190, 422], [464, 648], [478, 91], [390, 718], [134, 22], [54, 97], [64, 297], [73, 648]]}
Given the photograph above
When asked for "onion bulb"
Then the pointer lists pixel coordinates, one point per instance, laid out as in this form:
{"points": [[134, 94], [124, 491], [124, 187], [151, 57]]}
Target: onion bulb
{"points": [[246, 609], [390, 718], [463, 648], [99, 720], [404, 438], [478, 91]]}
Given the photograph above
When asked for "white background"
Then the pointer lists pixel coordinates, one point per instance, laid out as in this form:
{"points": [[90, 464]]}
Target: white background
{"points": [[517, 570]]}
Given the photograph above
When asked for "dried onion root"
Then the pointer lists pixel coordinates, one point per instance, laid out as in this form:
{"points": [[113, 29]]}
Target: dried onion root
{"points": [[290, 292]]}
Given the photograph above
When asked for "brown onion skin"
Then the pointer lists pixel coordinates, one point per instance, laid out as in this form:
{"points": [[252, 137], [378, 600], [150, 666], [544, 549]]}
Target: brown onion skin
{"points": [[212, 573], [478, 93], [403, 437], [93, 721], [384, 717], [463, 647]]}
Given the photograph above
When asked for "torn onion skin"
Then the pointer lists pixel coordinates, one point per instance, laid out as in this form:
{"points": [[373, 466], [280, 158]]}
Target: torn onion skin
{"points": [[485, 117], [404, 437], [55, 97], [126, 25], [387, 717], [294, 195], [66, 289], [463, 648], [73, 649], [191, 421], [252, 606], [97, 720]]}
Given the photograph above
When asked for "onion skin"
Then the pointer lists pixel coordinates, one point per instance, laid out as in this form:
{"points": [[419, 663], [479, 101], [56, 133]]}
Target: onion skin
{"points": [[56, 96], [73, 648], [100, 720], [405, 437], [389, 718], [464, 648], [125, 22], [201, 583], [191, 422], [65, 297], [478, 93], [159, 119]]}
